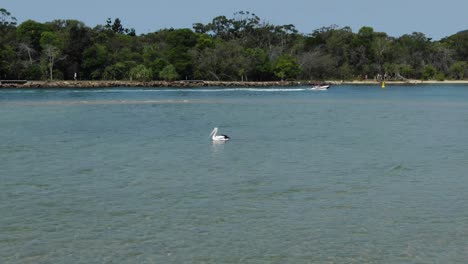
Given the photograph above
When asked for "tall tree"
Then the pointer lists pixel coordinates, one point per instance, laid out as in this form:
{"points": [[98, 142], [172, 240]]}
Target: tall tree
{"points": [[286, 67], [7, 44]]}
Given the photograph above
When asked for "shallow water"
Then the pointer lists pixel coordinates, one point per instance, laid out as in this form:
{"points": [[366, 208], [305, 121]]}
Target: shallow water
{"points": [[355, 174]]}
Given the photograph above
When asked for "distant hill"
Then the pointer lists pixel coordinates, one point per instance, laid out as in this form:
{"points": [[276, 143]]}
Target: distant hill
{"points": [[463, 32]]}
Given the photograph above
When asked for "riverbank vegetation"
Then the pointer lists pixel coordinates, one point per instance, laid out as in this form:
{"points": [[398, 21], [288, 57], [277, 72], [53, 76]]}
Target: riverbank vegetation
{"points": [[240, 48]]}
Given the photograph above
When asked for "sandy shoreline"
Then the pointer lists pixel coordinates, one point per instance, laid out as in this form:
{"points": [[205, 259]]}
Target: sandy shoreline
{"points": [[188, 84]]}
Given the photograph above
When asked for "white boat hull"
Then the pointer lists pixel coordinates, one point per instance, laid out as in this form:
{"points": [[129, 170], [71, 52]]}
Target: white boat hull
{"points": [[320, 87]]}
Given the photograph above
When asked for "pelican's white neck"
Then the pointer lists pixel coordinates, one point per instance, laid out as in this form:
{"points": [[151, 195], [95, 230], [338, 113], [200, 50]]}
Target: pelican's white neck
{"points": [[214, 132]]}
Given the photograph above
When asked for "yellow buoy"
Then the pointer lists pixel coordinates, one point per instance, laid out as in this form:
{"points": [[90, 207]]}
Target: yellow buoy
{"points": [[383, 85]]}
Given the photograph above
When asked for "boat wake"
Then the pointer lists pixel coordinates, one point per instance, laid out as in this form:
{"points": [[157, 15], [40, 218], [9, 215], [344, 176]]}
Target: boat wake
{"points": [[193, 90], [155, 90]]}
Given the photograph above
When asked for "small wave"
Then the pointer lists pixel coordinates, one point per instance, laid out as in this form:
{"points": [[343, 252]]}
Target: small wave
{"points": [[398, 170], [159, 90], [399, 167], [191, 90], [264, 89], [19, 91], [109, 102]]}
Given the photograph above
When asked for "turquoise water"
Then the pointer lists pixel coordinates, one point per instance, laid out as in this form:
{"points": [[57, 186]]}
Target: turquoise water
{"points": [[355, 174]]}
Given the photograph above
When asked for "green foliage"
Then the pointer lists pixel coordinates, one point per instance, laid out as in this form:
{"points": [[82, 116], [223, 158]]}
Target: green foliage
{"points": [[260, 65], [95, 58], [7, 23], [157, 66], [6, 19], [51, 54], [286, 67], [458, 69], [7, 54], [242, 47], [30, 32], [406, 71], [117, 27], [429, 72], [31, 72], [318, 65], [365, 37], [115, 72], [226, 61], [204, 41], [181, 38], [459, 44], [50, 38], [169, 73], [181, 60], [141, 73], [440, 76], [346, 72], [76, 39], [180, 42]]}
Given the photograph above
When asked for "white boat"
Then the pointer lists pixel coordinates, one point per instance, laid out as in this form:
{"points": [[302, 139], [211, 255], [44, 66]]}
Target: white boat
{"points": [[320, 87]]}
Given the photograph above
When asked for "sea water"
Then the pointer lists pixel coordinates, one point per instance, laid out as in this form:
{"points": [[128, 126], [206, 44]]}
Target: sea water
{"points": [[355, 174]]}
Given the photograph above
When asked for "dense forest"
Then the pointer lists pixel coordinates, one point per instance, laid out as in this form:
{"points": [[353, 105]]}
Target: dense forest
{"points": [[241, 48]]}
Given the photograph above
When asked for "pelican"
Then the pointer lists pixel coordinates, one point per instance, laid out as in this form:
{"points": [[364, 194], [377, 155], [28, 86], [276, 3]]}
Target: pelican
{"points": [[215, 137]]}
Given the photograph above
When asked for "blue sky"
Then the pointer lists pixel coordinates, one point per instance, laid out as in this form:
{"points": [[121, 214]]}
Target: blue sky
{"points": [[437, 19]]}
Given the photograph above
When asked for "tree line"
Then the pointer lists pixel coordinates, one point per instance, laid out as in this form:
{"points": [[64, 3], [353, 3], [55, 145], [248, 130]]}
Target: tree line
{"points": [[240, 48]]}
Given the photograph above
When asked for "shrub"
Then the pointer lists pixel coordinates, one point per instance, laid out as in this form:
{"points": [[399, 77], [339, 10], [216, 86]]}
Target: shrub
{"points": [[141, 73], [169, 73], [440, 76]]}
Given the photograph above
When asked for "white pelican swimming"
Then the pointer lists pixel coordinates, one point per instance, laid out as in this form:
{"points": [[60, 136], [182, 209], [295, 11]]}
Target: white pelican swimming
{"points": [[218, 137]]}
